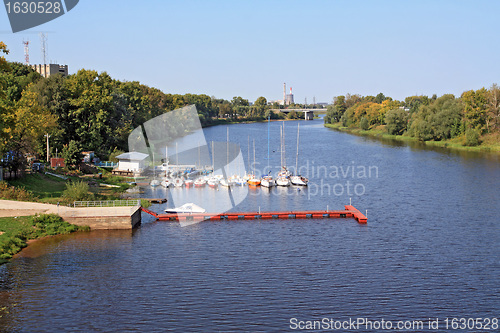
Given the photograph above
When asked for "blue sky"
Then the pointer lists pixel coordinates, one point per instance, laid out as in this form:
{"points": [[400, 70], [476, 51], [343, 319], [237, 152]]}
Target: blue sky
{"points": [[249, 48]]}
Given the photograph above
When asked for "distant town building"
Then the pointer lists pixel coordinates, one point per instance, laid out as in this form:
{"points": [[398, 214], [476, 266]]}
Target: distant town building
{"points": [[289, 98], [51, 69]]}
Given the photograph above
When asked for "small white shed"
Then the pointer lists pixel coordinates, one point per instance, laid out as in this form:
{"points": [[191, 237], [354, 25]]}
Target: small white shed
{"points": [[132, 161]]}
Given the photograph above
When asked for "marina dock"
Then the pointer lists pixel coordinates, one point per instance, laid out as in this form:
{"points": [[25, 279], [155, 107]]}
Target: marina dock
{"points": [[349, 212]]}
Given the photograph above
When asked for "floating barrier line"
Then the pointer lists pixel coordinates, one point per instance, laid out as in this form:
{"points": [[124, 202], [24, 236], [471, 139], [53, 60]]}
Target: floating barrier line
{"points": [[349, 212]]}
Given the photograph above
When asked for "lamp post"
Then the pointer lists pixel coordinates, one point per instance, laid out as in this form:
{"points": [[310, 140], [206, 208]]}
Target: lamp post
{"points": [[48, 148]]}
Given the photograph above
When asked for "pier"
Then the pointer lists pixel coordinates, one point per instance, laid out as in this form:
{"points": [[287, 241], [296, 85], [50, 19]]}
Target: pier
{"points": [[349, 212]]}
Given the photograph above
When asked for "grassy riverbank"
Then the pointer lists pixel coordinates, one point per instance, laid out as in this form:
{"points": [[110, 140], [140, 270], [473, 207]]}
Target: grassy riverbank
{"points": [[16, 232], [490, 144], [49, 189]]}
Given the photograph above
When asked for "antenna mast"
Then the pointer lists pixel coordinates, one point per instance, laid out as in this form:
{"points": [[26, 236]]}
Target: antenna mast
{"points": [[43, 40], [26, 52]]}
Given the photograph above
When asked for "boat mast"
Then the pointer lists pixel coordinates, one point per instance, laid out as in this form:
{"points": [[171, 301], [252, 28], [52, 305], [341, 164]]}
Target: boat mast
{"points": [[268, 131], [284, 146], [249, 150], [297, 157], [281, 145], [253, 168], [176, 155], [199, 155], [227, 150]]}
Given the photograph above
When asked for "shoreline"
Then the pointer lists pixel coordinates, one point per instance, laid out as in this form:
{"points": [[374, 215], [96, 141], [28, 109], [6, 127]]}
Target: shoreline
{"points": [[246, 121], [380, 135], [20, 232]]}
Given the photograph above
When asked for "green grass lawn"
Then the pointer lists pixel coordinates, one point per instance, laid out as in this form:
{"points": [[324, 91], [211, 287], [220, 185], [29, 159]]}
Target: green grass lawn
{"points": [[48, 188], [12, 226]]}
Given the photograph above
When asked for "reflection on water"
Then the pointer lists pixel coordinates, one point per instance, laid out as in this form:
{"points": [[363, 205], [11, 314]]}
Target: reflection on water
{"points": [[430, 248]]}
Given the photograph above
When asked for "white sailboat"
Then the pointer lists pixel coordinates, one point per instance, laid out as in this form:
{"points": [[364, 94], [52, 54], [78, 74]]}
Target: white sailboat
{"points": [[268, 181], [178, 182], [252, 178], [298, 179], [283, 178], [165, 183]]}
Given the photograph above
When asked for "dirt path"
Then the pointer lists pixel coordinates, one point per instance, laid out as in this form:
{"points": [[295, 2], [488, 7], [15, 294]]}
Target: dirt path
{"points": [[9, 208]]}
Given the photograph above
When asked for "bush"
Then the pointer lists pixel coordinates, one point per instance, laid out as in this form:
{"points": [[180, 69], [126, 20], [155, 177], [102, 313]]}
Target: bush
{"points": [[145, 203], [8, 192], [77, 191], [364, 124], [396, 121], [472, 138]]}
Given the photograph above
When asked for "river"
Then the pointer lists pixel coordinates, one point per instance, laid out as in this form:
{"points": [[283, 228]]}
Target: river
{"points": [[430, 249]]}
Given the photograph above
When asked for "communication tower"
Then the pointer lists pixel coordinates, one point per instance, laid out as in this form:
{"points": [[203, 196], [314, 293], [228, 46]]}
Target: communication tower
{"points": [[26, 52], [43, 41]]}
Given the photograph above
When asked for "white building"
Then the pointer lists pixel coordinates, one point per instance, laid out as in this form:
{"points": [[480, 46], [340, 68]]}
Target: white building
{"points": [[132, 161], [51, 69]]}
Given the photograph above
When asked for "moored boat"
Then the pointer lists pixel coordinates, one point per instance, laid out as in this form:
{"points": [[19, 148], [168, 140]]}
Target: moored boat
{"points": [[200, 182], [253, 181], [299, 180], [267, 181], [283, 181], [213, 182], [178, 182]]}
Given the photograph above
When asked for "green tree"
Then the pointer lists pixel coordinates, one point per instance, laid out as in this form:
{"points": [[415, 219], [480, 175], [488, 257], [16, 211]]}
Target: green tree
{"points": [[336, 110], [239, 101], [261, 101], [4, 110], [379, 98], [71, 153], [364, 124], [396, 121], [475, 108], [90, 111], [437, 120], [493, 113]]}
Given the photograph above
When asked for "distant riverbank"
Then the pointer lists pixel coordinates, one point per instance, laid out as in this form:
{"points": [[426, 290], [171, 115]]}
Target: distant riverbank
{"points": [[453, 144]]}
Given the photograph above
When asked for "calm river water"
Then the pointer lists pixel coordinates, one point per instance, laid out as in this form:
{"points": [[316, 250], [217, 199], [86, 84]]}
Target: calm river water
{"points": [[430, 248]]}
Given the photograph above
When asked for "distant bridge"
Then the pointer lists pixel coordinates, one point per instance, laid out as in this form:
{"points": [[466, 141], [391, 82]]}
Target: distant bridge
{"points": [[308, 113]]}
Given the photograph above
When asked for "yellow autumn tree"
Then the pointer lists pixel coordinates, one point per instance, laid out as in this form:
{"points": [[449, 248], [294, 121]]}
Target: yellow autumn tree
{"points": [[31, 123], [4, 123]]}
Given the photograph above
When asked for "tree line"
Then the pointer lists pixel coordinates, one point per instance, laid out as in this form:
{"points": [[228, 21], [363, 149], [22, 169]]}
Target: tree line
{"points": [[472, 116], [91, 111]]}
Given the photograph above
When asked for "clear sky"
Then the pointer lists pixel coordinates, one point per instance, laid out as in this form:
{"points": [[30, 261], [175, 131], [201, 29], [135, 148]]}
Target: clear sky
{"points": [[249, 48]]}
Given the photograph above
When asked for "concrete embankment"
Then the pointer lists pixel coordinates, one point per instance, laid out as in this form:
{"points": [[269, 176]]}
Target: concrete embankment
{"points": [[94, 217]]}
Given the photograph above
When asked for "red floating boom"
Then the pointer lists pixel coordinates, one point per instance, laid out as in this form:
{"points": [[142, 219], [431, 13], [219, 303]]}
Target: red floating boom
{"points": [[349, 212]]}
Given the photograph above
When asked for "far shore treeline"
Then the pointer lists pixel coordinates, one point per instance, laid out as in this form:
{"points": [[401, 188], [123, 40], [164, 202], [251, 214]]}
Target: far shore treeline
{"points": [[92, 111], [469, 120]]}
